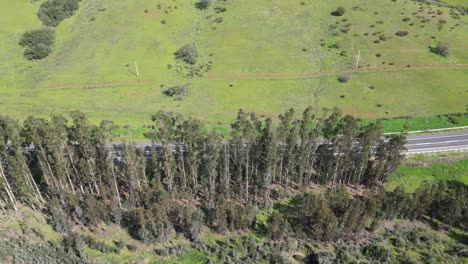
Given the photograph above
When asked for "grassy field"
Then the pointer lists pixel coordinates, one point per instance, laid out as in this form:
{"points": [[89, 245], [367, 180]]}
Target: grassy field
{"points": [[91, 67], [412, 177]]}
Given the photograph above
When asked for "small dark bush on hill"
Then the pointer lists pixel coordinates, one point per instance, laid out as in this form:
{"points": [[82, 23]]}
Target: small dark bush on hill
{"points": [[177, 91], [38, 43], [52, 12], [442, 49], [344, 78], [401, 33], [339, 11], [203, 4], [220, 9], [187, 53]]}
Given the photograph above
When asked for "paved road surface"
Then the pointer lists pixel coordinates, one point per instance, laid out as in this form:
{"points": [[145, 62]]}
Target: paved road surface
{"points": [[453, 141], [441, 142]]}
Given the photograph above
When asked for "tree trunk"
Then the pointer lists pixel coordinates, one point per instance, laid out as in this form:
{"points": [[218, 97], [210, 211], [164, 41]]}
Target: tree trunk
{"points": [[184, 173], [116, 187], [247, 176], [7, 187], [70, 181], [226, 168]]}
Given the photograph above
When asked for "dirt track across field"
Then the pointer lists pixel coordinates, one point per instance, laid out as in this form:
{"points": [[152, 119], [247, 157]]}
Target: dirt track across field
{"points": [[259, 76], [331, 73], [96, 85]]}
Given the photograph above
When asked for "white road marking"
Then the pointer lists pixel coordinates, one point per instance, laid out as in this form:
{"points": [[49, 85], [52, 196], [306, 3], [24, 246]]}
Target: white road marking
{"points": [[434, 143], [424, 138]]}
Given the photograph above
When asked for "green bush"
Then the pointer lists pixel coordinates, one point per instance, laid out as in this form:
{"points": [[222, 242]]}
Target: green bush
{"points": [[100, 246], [52, 12], [344, 78], [455, 119], [203, 4], [187, 53], [38, 43], [401, 33], [442, 49], [339, 11], [177, 91]]}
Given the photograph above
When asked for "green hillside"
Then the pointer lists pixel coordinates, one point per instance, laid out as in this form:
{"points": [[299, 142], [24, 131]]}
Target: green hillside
{"points": [[92, 68]]}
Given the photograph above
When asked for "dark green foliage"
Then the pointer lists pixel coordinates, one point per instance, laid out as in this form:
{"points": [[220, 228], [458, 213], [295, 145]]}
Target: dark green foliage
{"points": [[203, 4], [22, 250], [220, 9], [100, 246], [277, 227], [344, 78], [174, 184], [340, 11], [38, 43], [189, 179], [378, 253], [95, 210], [383, 38], [52, 12], [149, 225], [442, 49], [401, 33], [177, 91], [188, 220], [74, 245], [335, 46], [188, 54], [220, 216], [338, 215], [59, 218], [241, 217]]}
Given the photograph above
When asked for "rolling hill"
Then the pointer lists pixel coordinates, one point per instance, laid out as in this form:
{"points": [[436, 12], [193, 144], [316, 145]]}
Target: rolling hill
{"points": [[262, 56]]}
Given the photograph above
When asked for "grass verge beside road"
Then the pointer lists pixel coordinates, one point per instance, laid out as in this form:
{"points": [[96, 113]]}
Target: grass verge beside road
{"points": [[398, 124], [412, 176]]}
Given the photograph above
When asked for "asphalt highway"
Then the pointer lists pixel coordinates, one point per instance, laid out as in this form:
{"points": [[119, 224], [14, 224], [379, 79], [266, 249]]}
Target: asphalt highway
{"points": [[441, 142]]}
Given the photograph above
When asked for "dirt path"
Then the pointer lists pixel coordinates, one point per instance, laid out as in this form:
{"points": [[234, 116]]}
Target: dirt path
{"points": [[331, 73], [95, 85], [260, 75]]}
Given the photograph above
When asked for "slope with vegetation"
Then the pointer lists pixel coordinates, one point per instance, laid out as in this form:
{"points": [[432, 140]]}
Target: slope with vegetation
{"points": [[91, 64], [314, 186], [308, 189]]}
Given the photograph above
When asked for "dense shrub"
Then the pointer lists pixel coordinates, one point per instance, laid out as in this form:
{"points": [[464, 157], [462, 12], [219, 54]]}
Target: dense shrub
{"points": [[203, 4], [339, 11], [52, 12], [220, 9], [455, 119], [401, 33], [59, 218], [187, 53], [149, 225], [344, 78], [25, 249], [99, 246], [38, 43], [383, 38], [277, 227], [335, 46], [177, 91], [442, 49]]}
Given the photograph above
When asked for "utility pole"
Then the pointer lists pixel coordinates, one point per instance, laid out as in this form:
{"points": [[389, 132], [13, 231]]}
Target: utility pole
{"points": [[357, 60], [136, 69]]}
